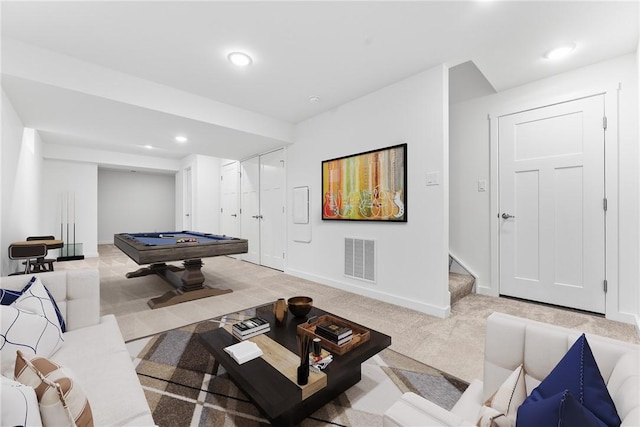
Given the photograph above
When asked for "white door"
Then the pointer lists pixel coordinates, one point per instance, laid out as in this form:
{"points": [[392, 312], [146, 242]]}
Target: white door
{"points": [[187, 208], [272, 215], [230, 210], [250, 207], [552, 218]]}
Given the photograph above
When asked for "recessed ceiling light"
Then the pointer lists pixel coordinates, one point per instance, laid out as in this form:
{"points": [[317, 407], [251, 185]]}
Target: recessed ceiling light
{"points": [[560, 51], [314, 99], [148, 147], [181, 138], [240, 59]]}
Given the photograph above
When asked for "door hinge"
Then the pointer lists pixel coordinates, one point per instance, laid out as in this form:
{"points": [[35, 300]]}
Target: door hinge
{"points": [[604, 204], [240, 211], [606, 285], [221, 178], [282, 255], [221, 210], [604, 122]]}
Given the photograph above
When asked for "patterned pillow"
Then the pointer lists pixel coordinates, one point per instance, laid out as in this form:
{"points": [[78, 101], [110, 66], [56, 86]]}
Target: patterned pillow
{"points": [[19, 404], [62, 400], [8, 296], [36, 286], [500, 410], [29, 324]]}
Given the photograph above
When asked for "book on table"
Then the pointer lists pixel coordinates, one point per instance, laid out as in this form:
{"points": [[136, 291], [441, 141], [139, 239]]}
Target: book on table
{"points": [[242, 337], [250, 326], [332, 339], [334, 332], [244, 351]]}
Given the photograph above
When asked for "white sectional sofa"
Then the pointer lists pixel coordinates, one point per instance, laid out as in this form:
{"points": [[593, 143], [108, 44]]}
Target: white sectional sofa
{"points": [[511, 341], [93, 349]]}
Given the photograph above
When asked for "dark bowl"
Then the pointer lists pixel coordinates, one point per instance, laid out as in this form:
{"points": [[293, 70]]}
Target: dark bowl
{"points": [[300, 306]]}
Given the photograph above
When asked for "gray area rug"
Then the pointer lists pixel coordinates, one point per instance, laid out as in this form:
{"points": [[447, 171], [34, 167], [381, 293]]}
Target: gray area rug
{"points": [[174, 370]]}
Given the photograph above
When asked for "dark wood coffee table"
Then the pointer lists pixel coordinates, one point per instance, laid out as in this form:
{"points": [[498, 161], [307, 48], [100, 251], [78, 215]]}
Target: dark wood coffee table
{"points": [[279, 398]]}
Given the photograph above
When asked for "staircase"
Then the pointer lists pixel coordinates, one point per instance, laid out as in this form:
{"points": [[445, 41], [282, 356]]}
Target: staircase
{"points": [[460, 285], [460, 281]]}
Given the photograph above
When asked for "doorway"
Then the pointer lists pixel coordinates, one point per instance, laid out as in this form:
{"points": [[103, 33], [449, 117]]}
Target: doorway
{"points": [[262, 188], [553, 205]]}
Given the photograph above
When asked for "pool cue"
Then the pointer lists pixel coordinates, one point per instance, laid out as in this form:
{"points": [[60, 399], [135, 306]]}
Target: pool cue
{"points": [[67, 222], [61, 219], [74, 223]]}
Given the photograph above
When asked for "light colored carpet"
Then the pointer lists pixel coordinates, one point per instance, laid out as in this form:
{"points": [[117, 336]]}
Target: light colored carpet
{"points": [[454, 345]]}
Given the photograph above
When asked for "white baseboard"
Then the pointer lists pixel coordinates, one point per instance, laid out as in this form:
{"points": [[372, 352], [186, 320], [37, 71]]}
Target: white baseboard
{"points": [[432, 310]]}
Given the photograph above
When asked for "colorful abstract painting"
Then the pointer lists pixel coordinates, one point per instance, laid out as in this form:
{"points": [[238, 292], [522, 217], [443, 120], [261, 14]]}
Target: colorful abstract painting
{"points": [[369, 186]]}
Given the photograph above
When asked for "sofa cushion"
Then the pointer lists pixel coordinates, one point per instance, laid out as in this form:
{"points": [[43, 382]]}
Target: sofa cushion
{"points": [[501, 408], [29, 324], [99, 356], [62, 400], [578, 372], [19, 404]]}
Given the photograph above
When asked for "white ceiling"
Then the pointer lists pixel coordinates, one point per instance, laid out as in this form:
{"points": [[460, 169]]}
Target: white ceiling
{"points": [[338, 51]]}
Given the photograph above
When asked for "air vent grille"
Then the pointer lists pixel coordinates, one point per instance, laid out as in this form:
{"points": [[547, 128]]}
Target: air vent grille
{"points": [[360, 259]]}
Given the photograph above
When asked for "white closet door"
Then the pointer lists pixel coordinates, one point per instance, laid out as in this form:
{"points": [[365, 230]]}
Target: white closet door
{"points": [[272, 210], [250, 212]]}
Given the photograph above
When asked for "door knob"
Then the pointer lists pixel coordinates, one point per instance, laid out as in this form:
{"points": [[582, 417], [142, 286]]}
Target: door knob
{"points": [[234, 215], [507, 216], [255, 216]]}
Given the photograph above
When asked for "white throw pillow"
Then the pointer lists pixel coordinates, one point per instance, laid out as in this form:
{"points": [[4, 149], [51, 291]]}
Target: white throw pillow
{"points": [[62, 400], [19, 404], [29, 324], [500, 410]]}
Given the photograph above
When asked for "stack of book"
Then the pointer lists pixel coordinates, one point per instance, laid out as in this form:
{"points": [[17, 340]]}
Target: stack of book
{"points": [[337, 334], [250, 328]]}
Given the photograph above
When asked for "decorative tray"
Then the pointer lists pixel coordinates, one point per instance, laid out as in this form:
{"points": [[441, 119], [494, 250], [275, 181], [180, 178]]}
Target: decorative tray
{"points": [[360, 334]]}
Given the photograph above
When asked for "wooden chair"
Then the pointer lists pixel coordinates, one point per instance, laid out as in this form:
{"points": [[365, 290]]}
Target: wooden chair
{"points": [[41, 264], [28, 253]]}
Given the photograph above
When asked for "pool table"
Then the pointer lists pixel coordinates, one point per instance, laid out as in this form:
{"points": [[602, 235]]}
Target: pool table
{"points": [[190, 247]]}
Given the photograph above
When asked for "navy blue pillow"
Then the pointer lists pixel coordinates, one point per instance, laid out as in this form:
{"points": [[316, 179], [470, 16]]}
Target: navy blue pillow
{"points": [[7, 297], [578, 372], [561, 409]]}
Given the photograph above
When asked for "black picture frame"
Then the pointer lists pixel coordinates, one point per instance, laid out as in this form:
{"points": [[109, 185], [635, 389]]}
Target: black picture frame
{"points": [[367, 186]]}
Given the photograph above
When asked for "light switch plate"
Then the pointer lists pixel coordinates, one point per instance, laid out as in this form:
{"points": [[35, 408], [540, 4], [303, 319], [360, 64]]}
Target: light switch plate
{"points": [[482, 185], [433, 178]]}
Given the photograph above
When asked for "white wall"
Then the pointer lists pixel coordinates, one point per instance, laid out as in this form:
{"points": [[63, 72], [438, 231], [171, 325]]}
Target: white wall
{"points": [[412, 256], [205, 189], [470, 212], [21, 180], [134, 202], [81, 180]]}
